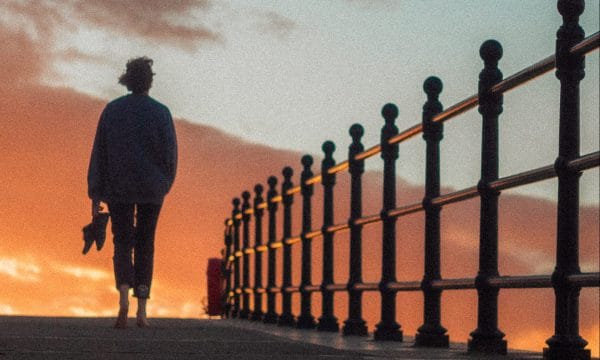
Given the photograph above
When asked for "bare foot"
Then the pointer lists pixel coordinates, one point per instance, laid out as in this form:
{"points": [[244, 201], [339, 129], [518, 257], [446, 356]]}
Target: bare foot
{"points": [[142, 321], [121, 322]]}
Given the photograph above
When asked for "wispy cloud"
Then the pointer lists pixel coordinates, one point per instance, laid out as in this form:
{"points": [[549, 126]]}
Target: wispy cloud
{"points": [[85, 272], [270, 22], [20, 270], [6, 309], [179, 22]]}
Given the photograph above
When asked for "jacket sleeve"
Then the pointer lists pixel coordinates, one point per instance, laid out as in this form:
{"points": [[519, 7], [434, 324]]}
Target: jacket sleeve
{"points": [[97, 168]]}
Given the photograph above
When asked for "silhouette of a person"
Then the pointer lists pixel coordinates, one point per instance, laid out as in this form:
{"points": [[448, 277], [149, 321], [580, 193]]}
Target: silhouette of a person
{"points": [[132, 168]]}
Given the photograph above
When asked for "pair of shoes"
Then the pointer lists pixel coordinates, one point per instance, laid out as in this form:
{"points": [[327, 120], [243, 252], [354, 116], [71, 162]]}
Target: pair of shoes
{"points": [[95, 232], [121, 322]]}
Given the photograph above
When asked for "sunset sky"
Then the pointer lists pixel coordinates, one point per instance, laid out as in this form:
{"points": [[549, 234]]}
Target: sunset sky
{"points": [[254, 85]]}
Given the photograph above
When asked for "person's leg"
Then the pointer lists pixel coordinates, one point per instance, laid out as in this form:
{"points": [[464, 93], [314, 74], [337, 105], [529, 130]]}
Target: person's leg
{"points": [[146, 220], [123, 231]]}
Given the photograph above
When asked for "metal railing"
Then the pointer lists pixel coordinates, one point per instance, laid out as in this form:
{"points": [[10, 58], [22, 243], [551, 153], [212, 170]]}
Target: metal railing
{"points": [[567, 279]]}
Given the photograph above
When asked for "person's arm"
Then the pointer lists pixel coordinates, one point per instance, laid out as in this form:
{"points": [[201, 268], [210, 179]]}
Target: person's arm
{"points": [[96, 169], [171, 148]]}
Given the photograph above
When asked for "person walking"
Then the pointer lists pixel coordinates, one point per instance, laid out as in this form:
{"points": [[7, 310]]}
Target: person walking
{"points": [[132, 168]]}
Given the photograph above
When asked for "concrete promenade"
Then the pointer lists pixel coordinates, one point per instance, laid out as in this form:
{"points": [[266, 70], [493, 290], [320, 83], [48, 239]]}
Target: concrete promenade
{"points": [[94, 338]]}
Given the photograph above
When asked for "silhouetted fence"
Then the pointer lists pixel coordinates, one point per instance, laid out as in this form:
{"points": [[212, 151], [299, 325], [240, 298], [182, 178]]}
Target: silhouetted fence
{"points": [[567, 279]]}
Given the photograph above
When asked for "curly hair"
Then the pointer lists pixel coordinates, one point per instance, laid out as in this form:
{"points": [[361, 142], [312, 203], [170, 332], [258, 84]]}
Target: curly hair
{"points": [[138, 75]]}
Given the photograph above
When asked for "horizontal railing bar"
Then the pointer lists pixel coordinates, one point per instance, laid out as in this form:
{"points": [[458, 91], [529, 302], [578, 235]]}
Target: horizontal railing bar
{"points": [[367, 219], [310, 288], [261, 248], [336, 287], [260, 290], [314, 234], [314, 180], [404, 286], [374, 150], [453, 284], [292, 240], [585, 279], [405, 210], [273, 290], [237, 290], [248, 211], [365, 287], [527, 177], [456, 196], [585, 162], [275, 245], [249, 251], [406, 134], [276, 199], [291, 289], [337, 228], [294, 190], [457, 109], [238, 253], [520, 282], [339, 167], [521, 77], [248, 290], [586, 45]]}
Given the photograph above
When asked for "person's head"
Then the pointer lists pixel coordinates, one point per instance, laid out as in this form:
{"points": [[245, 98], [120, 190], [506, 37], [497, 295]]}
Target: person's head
{"points": [[138, 75]]}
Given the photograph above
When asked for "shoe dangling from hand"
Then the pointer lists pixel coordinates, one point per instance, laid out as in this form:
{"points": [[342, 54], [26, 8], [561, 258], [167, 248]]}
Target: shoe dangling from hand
{"points": [[95, 232]]}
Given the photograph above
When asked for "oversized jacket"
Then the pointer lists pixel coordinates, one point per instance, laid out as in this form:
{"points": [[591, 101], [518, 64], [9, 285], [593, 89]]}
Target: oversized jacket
{"points": [[134, 158]]}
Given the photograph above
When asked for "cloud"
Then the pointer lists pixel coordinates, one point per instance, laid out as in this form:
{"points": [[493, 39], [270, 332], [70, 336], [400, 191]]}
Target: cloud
{"points": [[85, 273], [174, 23], [270, 22], [156, 20], [7, 310], [20, 270]]}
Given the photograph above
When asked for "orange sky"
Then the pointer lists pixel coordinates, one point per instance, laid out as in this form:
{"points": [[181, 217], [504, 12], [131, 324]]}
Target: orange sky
{"points": [[45, 139]]}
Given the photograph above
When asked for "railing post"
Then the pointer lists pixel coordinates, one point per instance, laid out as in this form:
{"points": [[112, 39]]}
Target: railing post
{"points": [[487, 337], [226, 268], [306, 320], [257, 314], [431, 333], [566, 343], [327, 322], [245, 313], [355, 325], [271, 316], [287, 318], [236, 261], [388, 328]]}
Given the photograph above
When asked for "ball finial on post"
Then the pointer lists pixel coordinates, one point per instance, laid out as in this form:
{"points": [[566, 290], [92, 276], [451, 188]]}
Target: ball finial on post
{"points": [[236, 202], [570, 9], [287, 172], [356, 132], [307, 161], [272, 181], [328, 148], [389, 113], [433, 87], [490, 51], [246, 196], [258, 189]]}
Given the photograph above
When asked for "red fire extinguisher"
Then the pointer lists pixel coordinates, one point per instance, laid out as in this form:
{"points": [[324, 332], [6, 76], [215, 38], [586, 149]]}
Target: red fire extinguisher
{"points": [[215, 287]]}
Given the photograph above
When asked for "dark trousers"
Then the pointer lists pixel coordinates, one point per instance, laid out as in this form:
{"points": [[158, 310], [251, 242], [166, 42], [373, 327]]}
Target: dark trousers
{"points": [[133, 227]]}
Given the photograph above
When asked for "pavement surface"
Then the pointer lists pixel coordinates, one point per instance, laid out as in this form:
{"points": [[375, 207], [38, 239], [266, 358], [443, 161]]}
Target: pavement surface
{"points": [[94, 338]]}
